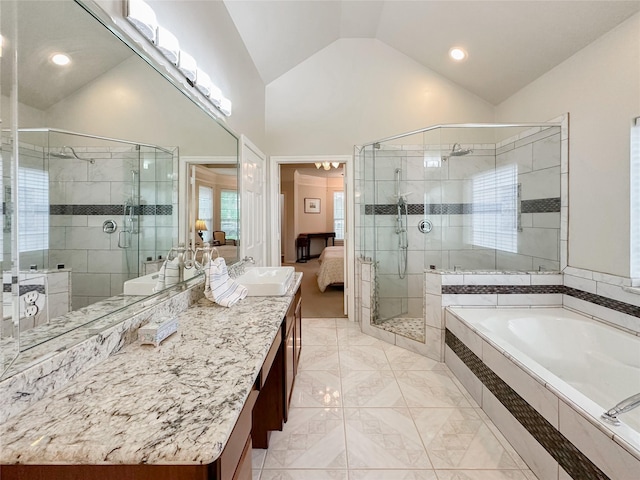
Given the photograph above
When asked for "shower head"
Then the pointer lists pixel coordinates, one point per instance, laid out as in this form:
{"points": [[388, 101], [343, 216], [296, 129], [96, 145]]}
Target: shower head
{"points": [[458, 151], [63, 154]]}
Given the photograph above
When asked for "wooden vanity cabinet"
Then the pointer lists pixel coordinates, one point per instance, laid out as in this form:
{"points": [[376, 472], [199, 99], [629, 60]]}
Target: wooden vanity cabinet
{"points": [[272, 406], [293, 346]]}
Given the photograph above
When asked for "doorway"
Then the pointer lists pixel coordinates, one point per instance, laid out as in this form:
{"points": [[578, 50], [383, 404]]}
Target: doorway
{"points": [[313, 200]]}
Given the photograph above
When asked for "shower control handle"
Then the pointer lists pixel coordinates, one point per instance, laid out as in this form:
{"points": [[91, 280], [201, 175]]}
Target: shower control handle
{"points": [[425, 226], [109, 226]]}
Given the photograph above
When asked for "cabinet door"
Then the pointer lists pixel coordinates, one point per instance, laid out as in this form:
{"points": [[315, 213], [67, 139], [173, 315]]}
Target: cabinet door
{"points": [[298, 334], [289, 369]]}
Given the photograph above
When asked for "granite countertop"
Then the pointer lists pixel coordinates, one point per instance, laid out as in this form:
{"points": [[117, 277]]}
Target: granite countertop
{"points": [[175, 404]]}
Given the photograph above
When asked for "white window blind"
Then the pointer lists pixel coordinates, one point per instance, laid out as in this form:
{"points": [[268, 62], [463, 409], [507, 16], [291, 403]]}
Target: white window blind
{"points": [[205, 210], [635, 199], [338, 214], [33, 214], [229, 213], [495, 209]]}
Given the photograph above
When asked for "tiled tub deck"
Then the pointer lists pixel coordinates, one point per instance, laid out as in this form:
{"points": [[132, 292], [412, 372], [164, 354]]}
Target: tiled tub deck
{"points": [[552, 425]]}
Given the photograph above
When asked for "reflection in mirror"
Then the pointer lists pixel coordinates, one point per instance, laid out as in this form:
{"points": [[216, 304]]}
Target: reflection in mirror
{"points": [[214, 212], [96, 148]]}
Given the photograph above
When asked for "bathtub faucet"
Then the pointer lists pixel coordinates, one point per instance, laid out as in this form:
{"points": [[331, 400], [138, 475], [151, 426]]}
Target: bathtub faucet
{"points": [[611, 416]]}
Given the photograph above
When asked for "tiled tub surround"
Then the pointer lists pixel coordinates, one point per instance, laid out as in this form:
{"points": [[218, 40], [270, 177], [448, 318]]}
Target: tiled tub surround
{"points": [[535, 394], [483, 289], [184, 397], [51, 364]]}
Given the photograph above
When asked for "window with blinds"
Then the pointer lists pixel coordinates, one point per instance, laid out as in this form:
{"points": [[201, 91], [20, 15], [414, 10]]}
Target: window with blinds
{"points": [[33, 213], [338, 215], [495, 209], [229, 213], [635, 199], [205, 210]]}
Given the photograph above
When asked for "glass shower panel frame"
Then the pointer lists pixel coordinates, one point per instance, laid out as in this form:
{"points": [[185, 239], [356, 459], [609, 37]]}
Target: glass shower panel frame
{"points": [[390, 210], [434, 171]]}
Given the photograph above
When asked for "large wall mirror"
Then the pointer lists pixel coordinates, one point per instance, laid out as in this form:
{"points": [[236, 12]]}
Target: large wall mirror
{"points": [[91, 159]]}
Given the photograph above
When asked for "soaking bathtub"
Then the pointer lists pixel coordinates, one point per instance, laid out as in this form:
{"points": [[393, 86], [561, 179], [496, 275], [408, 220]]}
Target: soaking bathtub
{"points": [[566, 366]]}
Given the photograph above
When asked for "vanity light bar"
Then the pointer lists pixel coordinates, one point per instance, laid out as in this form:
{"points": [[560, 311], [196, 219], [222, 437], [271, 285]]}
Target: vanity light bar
{"points": [[143, 18]]}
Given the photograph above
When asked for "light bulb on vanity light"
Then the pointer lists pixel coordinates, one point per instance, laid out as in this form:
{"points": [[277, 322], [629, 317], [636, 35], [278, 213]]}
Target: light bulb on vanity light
{"points": [[142, 16], [203, 83], [225, 106], [188, 66], [215, 95], [168, 45]]}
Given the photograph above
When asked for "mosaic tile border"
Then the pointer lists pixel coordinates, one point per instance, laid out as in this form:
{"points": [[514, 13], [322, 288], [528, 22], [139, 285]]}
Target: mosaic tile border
{"points": [[109, 209], [572, 460], [6, 288], [501, 289], [542, 205], [606, 302]]}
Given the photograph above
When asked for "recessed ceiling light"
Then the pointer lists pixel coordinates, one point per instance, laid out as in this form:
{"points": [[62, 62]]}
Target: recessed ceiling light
{"points": [[458, 54], [61, 59]]}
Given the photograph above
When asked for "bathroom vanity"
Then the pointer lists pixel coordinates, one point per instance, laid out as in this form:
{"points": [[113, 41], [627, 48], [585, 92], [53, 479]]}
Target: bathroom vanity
{"points": [[191, 408]]}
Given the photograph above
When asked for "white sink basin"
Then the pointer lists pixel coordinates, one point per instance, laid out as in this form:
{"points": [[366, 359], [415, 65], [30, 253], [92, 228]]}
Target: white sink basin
{"points": [[267, 281], [144, 285]]}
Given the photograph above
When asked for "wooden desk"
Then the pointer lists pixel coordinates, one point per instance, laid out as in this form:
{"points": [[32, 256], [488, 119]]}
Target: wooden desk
{"points": [[303, 244]]}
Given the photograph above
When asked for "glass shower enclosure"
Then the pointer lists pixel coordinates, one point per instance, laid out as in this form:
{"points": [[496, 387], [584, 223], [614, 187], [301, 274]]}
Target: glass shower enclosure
{"points": [[454, 198], [92, 213]]}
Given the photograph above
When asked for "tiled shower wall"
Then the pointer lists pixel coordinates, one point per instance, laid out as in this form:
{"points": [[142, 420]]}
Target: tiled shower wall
{"points": [[83, 195], [469, 219], [537, 158]]}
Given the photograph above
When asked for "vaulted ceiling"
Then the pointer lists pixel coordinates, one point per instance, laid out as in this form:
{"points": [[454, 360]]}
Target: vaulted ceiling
{"points": [[510, 43]]}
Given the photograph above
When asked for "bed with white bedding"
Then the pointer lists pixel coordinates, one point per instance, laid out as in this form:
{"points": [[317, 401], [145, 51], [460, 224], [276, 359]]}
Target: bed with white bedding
{"points": [[331, 267]]}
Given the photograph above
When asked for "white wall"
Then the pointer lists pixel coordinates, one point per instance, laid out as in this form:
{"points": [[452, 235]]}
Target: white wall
{"points": [[206, 31], [133, 102], [358, 90], [310, 187], [600, 88]]}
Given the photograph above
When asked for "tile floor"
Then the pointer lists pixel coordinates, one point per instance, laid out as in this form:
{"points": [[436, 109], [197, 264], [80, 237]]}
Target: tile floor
{"points": [[366, 410]]}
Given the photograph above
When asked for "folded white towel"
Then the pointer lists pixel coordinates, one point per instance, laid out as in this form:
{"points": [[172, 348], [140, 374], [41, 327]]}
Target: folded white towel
{"points": [[168, 275], [219, 287]]}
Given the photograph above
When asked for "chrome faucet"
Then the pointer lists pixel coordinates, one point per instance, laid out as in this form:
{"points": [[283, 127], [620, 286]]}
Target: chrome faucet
{"points": [[611, 416], [238, 268], [185, 257]]}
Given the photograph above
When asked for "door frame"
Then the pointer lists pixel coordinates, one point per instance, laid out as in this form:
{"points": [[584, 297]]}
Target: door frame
{"points": [[273, 188], [262, 228]]}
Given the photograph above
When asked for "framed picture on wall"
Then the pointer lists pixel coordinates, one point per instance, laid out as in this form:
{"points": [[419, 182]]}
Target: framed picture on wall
{"points": [[311, 205]]}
